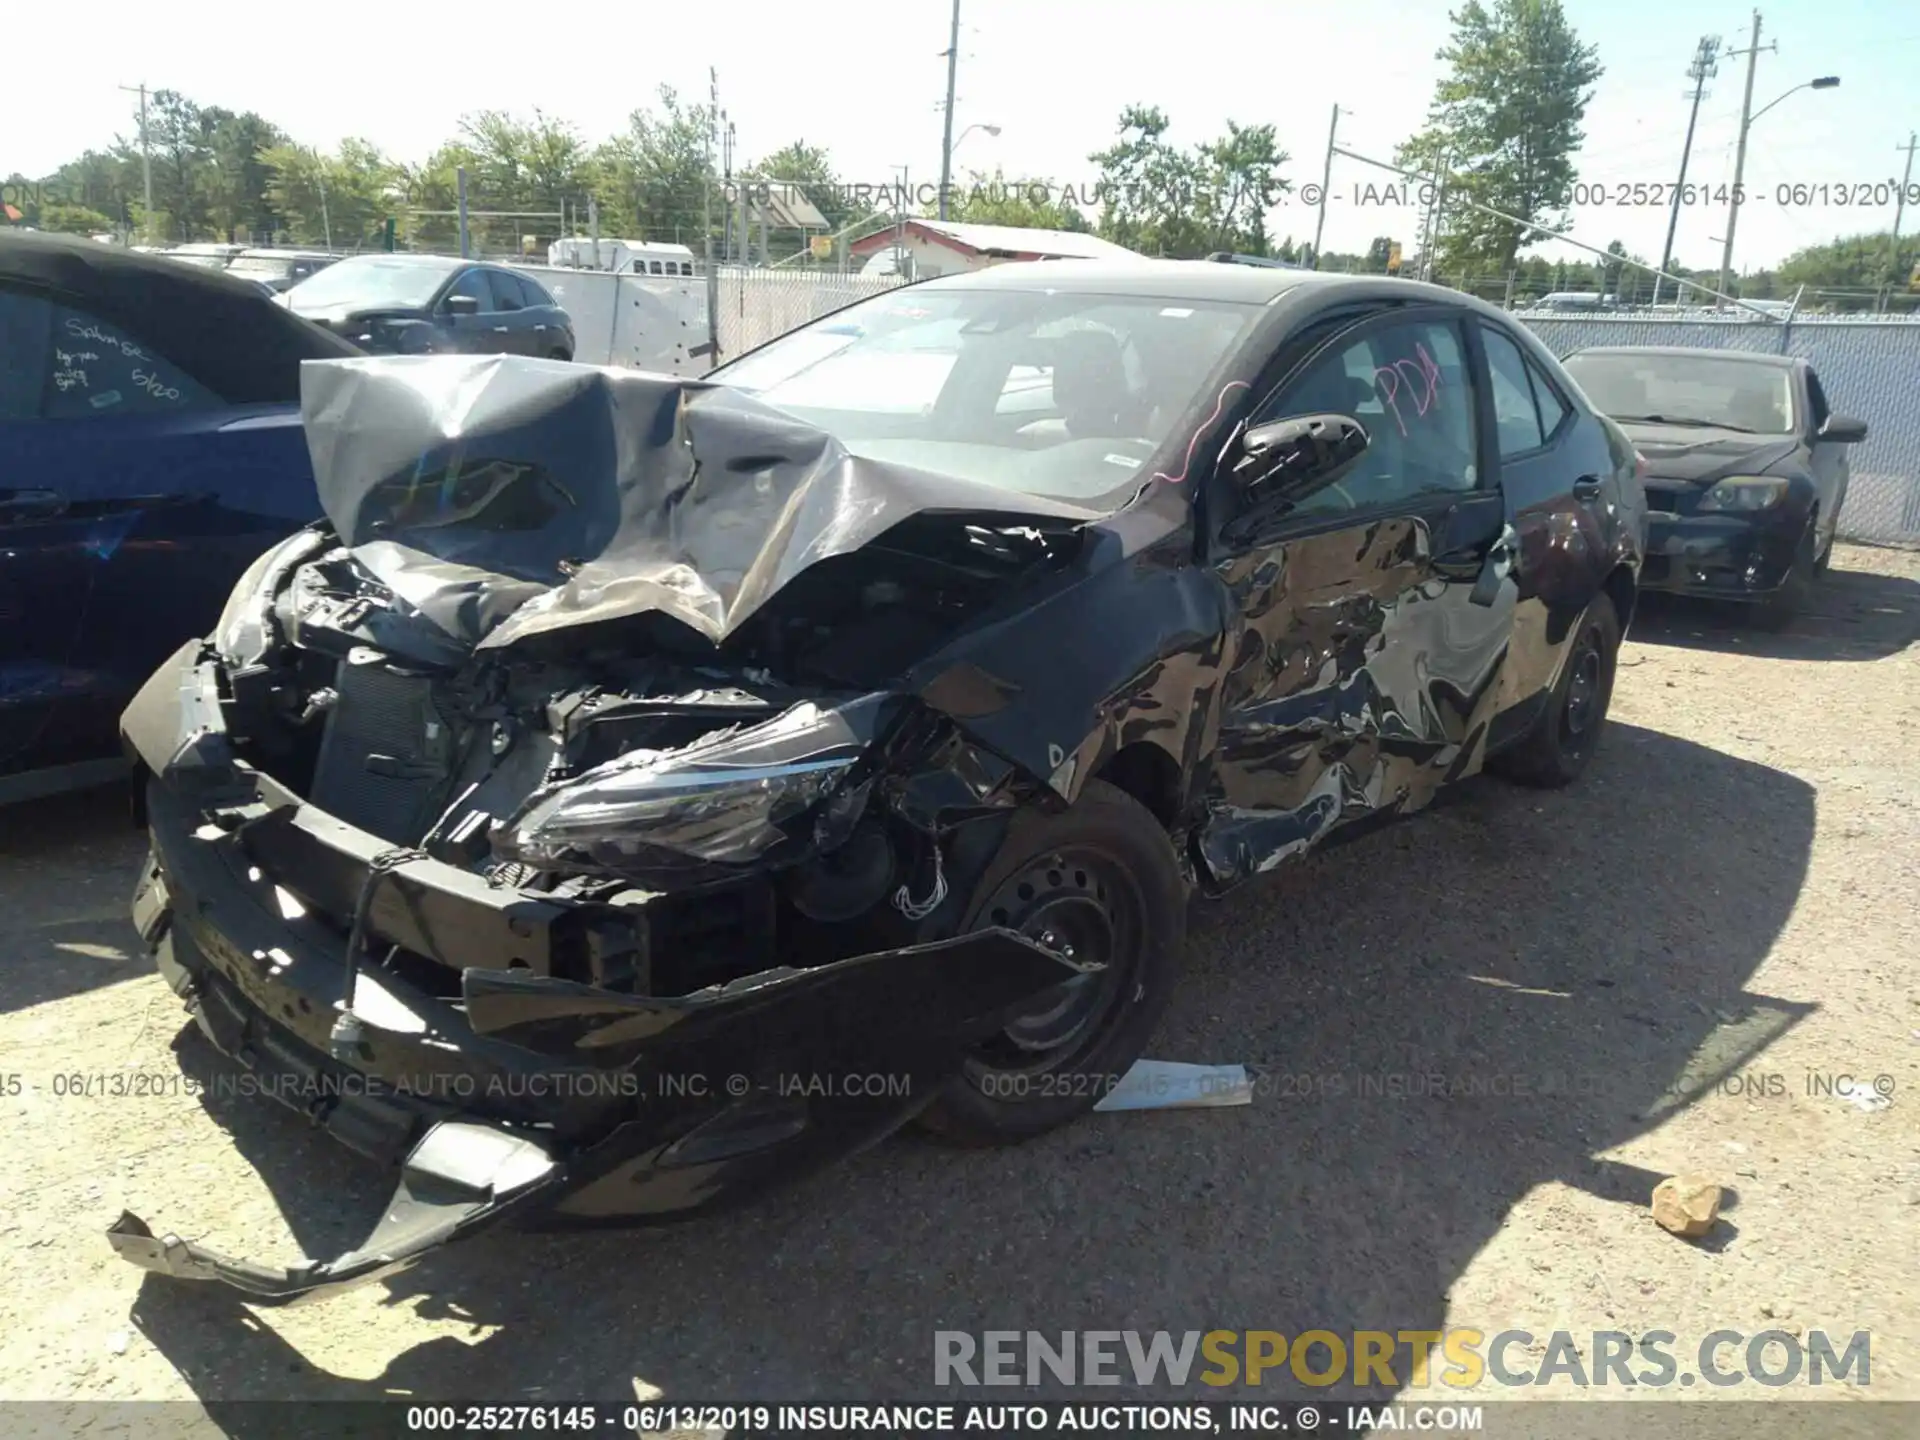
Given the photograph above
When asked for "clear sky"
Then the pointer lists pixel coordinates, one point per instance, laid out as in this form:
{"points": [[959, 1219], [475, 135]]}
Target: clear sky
{"points": [[1053, 74]]}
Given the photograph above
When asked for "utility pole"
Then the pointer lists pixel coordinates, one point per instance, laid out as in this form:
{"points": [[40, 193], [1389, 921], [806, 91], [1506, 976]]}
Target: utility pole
{"points": [[460, 182], [320, 180], [946, 140], [1899, 211], [146, 160], [1706, 64], [1752, 52], [1430, 234], [1326, 179]]}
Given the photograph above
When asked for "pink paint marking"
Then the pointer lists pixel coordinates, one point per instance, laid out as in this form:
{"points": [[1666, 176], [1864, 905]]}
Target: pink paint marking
{"points": [[1219, 406], [1386, 380]]}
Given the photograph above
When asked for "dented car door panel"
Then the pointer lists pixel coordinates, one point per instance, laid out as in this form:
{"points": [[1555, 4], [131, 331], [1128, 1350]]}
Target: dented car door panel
{"points": [[1365, 665]]}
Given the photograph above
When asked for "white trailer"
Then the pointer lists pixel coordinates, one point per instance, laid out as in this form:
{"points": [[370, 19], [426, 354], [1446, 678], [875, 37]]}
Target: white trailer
{"points": [[621, 257]]}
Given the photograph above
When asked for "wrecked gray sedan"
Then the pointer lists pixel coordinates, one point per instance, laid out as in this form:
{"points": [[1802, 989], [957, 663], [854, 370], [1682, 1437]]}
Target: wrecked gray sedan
{"points": [[638, 790]]}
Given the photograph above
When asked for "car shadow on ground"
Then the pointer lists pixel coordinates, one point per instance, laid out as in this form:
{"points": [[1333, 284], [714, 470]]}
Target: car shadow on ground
{"points": [[1444, 1016], [1851, 615], [67, 868]]}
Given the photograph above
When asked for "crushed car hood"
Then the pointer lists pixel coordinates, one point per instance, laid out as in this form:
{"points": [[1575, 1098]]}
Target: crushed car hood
{"points": [[504, 497]]}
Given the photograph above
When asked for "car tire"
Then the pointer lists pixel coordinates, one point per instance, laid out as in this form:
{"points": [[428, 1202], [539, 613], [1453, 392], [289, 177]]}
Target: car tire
{"points": [[1101, 878], [558, 355], [1558, 748], [1776, 612], [1825, 557]]}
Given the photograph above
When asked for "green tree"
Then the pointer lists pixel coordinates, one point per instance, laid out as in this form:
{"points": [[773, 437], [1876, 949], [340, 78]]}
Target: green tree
{"points": [[1161, 200], [654, 178], [539, 166], [1504, 127], [1848, 272], [236, 180], [340, 200]]}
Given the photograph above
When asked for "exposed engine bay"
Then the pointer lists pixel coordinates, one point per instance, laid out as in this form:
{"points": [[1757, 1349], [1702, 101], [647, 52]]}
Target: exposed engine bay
{"points": [[775, 778]]}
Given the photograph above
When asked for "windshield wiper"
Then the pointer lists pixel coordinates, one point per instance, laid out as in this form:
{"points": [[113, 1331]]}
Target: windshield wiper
{"points": [[1688, 420]]}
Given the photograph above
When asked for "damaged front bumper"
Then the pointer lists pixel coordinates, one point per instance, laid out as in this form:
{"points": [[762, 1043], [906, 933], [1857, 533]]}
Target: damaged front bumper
{"points": [[501, 1086]]}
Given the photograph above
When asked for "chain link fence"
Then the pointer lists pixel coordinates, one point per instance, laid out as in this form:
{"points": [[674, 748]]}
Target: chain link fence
{"points": [[754, 305]]}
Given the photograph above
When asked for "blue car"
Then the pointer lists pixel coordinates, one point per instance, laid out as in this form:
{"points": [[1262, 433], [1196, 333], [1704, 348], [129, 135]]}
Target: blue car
{"points": [[150, 449]]}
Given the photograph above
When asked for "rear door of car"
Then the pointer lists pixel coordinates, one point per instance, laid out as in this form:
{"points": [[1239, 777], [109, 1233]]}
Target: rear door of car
{"points": [[1365, 664], [1562, 484], [548, 320], [145, 495]]}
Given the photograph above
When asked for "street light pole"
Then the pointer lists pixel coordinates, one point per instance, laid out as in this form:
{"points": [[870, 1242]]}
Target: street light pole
{"points": [[946, 139], [1326, 179]]}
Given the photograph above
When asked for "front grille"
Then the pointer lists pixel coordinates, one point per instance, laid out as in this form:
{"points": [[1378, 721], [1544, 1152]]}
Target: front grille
{"points": [[385, 754]]}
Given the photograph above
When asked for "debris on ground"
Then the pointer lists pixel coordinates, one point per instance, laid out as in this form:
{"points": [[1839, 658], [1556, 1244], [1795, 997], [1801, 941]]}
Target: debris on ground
{"points": [[1175, 1085], [1862, 1096], [1687, 1205]]}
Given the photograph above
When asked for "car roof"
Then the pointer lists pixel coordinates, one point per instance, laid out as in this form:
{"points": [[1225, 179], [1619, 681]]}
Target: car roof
{"points": [[219, 327], [423, 262], [1778, 362], [1184, 280]]}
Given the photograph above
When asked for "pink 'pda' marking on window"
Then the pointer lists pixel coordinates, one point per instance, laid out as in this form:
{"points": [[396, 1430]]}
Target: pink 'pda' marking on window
{"points": [[1386, 379]]}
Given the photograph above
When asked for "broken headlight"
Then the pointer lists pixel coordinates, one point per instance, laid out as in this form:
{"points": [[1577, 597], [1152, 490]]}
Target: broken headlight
{"points": [[728, 799], [244, 632]]}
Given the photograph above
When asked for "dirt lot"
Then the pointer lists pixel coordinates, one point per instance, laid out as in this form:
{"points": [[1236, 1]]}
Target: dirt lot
{"points": [[1733, 892]]}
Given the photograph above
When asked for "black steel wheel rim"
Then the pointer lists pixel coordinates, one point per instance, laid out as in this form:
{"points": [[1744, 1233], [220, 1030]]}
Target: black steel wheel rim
{"points": [[1082, 904], [1585, 682]]}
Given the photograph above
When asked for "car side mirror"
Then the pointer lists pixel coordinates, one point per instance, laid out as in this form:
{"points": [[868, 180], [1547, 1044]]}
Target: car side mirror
{"points": [[1285, 458], [462, 305], [1844, 430]]}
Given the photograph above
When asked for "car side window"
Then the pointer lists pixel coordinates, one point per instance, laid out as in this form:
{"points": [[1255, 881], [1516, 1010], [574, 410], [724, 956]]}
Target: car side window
{"points": [[26, 325], [96, 368], [1514, 413], [1553, 406], [474, 283], [1409, 385], [535, 296], [506, 290]]}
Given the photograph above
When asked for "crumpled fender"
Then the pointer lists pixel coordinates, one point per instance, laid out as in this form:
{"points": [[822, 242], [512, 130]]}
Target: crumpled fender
{"points": [[1057, 695]]}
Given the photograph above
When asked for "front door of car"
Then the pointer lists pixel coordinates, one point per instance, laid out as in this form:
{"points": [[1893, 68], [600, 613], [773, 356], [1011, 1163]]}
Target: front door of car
{"points": [[1829, 461], [43, 571], [133, 497], [477, 327], [1371, 614]]}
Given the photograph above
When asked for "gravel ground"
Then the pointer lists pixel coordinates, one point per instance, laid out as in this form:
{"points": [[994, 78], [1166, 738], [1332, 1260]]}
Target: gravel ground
{"points": [[1721, 914]]}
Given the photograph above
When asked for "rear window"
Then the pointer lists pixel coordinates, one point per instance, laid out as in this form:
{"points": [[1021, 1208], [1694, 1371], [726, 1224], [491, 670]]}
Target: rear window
{"points": [[62, 363]]}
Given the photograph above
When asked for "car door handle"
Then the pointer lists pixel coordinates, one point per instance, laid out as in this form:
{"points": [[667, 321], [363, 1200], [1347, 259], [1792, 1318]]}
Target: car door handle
{"points": [[31, 504], [1588, 487], [499, 329]]}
